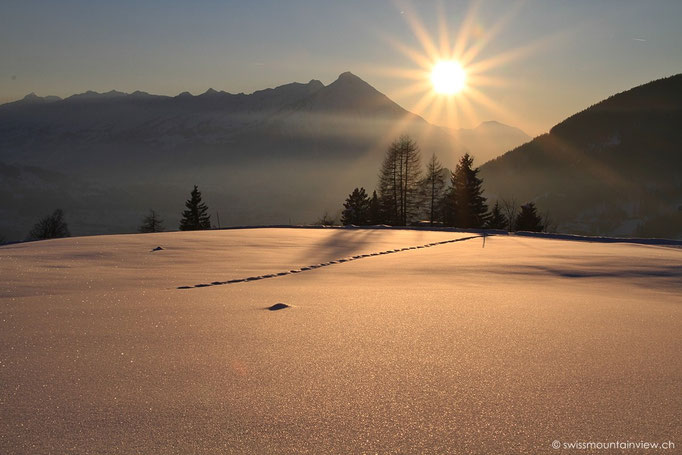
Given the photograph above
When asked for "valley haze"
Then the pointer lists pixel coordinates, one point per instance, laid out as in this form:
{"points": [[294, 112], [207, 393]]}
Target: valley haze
{"points": [[276, 156]]}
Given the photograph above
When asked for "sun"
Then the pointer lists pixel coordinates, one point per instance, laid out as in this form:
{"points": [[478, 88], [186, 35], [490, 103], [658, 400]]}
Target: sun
{"points": [[448, 77], [454, 71]]}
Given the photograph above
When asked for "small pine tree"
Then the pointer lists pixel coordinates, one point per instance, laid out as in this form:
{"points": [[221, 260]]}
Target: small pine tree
{"points": [[433, 186], [196, 216], [151, 223], [528, 219], [497, 220], [50, 227], [465, 205], [374, 214], [356, 208]]}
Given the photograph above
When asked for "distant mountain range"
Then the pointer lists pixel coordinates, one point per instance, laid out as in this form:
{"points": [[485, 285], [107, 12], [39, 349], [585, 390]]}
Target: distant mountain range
{"points": [[286, 155], [273, 156], [614, 168]]}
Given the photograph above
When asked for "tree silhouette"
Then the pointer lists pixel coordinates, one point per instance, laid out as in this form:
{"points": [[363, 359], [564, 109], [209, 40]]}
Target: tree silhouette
{"points": [[196, 216], [374, 215], [151, 223], [497, 220], [510, 208], [465, 205], [326, 220], [50, 227], [528, 219], [399, 181], [356, 208], [433, 186]]}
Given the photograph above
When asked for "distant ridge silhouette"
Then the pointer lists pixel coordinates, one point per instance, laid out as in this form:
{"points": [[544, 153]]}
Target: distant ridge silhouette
{"points": [[286, 152], [614, 168]]}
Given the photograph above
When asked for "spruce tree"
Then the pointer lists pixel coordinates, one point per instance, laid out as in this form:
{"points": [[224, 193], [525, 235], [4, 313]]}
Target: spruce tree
{"points": [[374, 213], [196, 216], [497, 220], [50, 227], [151, 223], [356, 208], [528, 219], [465, 205], [433, 186]]}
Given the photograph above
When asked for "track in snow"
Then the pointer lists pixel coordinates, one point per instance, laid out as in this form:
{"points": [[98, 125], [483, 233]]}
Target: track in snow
{"points": [[325, 264]]}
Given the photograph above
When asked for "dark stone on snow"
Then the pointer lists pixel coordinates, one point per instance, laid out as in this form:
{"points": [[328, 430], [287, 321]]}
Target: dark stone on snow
{"points": [[278, 306]]}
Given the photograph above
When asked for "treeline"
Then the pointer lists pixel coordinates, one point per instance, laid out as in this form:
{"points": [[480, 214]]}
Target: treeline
{"points": [[407, 194], [194, 217]]}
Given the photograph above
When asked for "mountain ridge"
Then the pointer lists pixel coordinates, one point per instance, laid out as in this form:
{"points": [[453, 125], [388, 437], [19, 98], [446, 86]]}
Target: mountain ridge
{"points": [[291, 151], [614, 168]]}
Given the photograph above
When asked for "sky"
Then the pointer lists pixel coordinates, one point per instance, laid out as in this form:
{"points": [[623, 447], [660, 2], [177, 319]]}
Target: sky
{"points": [[538, 61]]}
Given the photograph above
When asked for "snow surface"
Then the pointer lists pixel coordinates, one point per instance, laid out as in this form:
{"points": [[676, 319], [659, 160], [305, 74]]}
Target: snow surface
{"points": [[452, 348]]}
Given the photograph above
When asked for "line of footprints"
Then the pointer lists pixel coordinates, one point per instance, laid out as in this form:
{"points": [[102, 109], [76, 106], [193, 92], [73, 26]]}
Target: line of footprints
{"points": [[325, 264]]}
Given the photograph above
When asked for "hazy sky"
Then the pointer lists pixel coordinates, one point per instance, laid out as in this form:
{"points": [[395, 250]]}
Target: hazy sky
{"points": [[564, 55]]}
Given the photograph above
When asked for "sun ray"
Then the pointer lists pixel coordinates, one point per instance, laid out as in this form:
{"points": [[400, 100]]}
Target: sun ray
{"points": [[450, 76], [473, 51], [462, 39], [443, 33], [399, 127], [411, 90], [516, 53], [467, 109], [436, 107], [486, 101], [394, 71], [419, 31], [481, 80], [417, 57]]}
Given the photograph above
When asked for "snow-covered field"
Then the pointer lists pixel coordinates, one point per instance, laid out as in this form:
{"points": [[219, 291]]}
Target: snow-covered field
{"points": [[451, 348]]}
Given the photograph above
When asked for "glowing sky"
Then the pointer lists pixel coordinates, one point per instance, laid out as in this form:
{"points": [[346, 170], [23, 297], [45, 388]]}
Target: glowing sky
{"points": [[546, 59]]}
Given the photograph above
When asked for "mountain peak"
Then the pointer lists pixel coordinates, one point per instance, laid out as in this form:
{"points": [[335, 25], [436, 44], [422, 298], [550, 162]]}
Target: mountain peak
{"points": [[350, 82], [348, 77], [210, 91], [33, 98], [490, 123]]}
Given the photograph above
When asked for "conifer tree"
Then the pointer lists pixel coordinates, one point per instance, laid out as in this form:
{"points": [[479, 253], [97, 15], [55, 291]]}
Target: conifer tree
{"points": [[356, 208], [528, 219], [433, 186], [465, 205], [151, 223], [50, 227], [196, 216], [374, 213], [497, 220]]}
